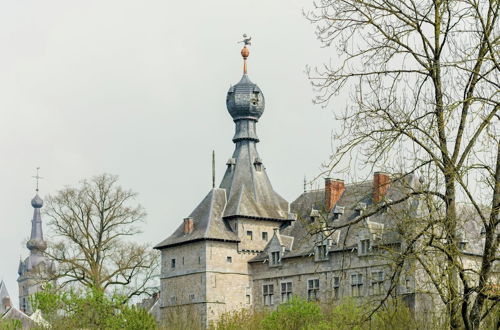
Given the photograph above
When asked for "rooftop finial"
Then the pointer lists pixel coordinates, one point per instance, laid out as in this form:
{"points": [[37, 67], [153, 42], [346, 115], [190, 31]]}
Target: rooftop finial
{"points": [[245, 52], [37, 177]]}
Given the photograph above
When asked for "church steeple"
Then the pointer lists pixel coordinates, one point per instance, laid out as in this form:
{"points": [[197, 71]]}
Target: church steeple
{"points": [[36, 243], [36, 268]]}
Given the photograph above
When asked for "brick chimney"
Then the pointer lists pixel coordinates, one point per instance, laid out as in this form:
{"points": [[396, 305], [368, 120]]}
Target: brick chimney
{"points": [[381, 183], [333, 190], [188, 225]]}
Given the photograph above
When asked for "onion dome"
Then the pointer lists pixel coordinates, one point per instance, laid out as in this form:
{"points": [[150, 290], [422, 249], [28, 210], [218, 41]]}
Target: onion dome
{"points": [[36, 244], [245, 99], [37, 202]]}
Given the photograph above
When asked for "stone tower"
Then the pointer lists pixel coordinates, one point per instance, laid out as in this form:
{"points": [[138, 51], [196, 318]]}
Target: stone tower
{"points": [[36, 269], [205, 270]]}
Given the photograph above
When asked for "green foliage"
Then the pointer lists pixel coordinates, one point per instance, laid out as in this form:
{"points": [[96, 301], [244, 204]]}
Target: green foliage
{"points": [[348, 315], [299, 314], [90, 309], [10, 325], [243, 319], [296, 314]]}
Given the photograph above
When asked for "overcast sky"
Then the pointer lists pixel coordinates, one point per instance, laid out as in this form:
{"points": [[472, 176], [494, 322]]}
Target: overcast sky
{"points": [[137, 89]]}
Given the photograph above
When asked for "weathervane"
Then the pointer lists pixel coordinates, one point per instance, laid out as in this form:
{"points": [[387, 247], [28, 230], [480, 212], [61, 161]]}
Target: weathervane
{"points": [[245, 52], [37, 177], [246, 40]]}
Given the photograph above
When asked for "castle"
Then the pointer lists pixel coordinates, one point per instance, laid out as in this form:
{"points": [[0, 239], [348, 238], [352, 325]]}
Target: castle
{"points": [[245, 246]]}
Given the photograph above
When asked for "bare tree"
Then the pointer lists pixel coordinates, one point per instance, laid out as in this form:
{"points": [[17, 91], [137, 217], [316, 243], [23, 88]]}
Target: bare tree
{"points": [[424, 76], [93, 223]]}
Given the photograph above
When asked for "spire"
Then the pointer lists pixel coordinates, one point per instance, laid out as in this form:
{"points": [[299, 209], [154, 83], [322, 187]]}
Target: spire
{"points": [[249, 190], [36, 242]]}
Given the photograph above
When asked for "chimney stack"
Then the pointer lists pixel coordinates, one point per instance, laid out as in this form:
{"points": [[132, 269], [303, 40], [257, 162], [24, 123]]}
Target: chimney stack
{"points": [[188, 225], [381, 183], [333, 190]]}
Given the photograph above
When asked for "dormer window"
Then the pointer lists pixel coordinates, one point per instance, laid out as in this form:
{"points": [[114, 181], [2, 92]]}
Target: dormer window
{"points": [[364, 247], [230, 163], [314, 215], [275, 258], [255, 98], [258, 164], [360, 207], [321, 252], [338, 211]]}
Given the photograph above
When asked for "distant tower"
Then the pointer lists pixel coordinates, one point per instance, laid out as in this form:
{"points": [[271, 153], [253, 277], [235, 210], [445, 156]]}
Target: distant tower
{"points": [[36, 269]]}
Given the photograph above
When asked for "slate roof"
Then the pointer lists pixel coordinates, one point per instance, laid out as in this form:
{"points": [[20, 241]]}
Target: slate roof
{"points": [[208, 222], [3, 293], [355, 195]]}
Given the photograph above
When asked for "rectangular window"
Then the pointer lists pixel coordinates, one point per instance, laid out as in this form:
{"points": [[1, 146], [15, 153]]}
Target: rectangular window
{"points": [[365, 246], [313, 289], [248, 299], [357, 285], [264, 235], [249, 234], [229, 259], [183, 260], [336, 287], [275, 258], [377, 282], [191, 296], [268, 294], [322, 252], [172, 263], [286, 291]]}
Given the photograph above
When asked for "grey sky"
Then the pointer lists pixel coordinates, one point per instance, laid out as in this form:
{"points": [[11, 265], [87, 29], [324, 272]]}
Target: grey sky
{"points": [[137, 88]]}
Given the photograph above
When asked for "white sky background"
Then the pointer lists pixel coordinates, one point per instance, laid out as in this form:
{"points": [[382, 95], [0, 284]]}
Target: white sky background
{"points": [[138, 88]]}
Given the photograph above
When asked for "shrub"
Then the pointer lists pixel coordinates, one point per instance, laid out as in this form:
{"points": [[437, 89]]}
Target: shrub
{"points": [[90, 309], [244, 319], [296, 314]]}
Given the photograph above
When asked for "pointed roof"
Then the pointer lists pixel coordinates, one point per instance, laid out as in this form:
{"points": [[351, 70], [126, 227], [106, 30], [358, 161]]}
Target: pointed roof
{"points": [[3, 293], [208, 223]]}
